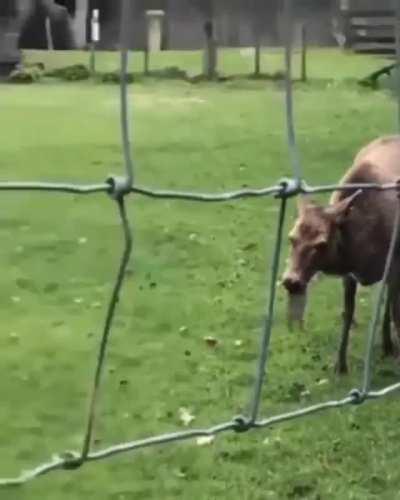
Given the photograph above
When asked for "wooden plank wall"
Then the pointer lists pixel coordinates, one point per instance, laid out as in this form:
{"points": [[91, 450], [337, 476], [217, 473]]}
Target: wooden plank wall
{"points": [[370, 26]]}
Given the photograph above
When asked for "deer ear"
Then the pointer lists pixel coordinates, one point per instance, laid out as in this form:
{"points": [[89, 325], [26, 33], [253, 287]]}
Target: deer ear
{"points": [[340, 210]]}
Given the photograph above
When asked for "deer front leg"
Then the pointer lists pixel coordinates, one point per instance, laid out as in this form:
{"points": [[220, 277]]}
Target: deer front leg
{"points": [[350, 290]]}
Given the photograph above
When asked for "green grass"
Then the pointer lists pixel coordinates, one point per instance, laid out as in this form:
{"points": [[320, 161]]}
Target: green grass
{"points": [[198, 270]]}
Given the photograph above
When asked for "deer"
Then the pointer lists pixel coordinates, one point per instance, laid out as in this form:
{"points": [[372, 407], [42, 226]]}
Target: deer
{"points": [[349, 238]]}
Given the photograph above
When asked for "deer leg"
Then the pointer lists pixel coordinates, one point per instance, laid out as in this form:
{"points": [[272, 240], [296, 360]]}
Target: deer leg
{"points": [[394, 294], [387, 343], [350, 290]]}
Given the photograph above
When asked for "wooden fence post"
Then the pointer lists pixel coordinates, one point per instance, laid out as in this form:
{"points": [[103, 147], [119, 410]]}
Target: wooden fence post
{"points": [[303, 76], [211, 51]]}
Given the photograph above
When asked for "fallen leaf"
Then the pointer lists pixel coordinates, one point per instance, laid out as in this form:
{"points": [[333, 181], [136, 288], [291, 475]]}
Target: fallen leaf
{"points": [[16, 299], [205, 440], [238, 343], [185, 416], [183, 330], [211, 341], [249, 246], [180, 473], [82, 241], [323, 381]]}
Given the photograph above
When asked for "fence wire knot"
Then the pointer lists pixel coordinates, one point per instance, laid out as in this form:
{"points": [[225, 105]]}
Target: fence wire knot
{"points": [[71, 460], [119, 187], [289, 188], [242, 424], [357, 397]]}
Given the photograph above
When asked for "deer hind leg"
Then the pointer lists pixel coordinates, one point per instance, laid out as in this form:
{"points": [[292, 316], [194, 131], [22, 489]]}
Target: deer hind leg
{"points": [[394, 298], [388, 346], [350, 290]]}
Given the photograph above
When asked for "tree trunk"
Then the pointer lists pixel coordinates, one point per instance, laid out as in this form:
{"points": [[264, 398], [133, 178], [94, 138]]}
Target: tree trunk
{"points": [[79, 22]]}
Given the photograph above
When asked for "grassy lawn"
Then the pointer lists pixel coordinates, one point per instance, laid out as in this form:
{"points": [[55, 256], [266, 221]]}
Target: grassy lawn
{"points": [[198, 270]]}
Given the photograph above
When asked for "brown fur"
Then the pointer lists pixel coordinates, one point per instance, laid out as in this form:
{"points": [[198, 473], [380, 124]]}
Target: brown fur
{"points": [[350, 237]]}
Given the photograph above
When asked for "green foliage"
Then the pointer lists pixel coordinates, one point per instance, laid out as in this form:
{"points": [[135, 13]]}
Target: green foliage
{"points": [[28, 74], [115, 77], [170, 72], [74, 73]]}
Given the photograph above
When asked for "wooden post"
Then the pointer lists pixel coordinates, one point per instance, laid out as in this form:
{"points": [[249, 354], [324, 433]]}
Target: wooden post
{"points": [[345, 13], [146, 68], [303, 76], [154, 34], [210, 53], [146, 61], [49, 34], [257, 55], [257, 27]]}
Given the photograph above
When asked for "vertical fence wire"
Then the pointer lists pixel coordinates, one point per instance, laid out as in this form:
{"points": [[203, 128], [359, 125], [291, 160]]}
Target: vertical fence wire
{"points": [[291, 135], [126, 16], [107, 326], [373, 328], [120, 191], [267, 329]]}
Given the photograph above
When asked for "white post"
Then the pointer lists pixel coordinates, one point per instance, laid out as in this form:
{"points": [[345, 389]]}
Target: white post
{"points": [[154, 29], [95, 38], [95, 26]]}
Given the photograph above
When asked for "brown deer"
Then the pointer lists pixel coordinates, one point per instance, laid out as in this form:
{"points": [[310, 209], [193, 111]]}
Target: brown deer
{"points": [[350, 238]]}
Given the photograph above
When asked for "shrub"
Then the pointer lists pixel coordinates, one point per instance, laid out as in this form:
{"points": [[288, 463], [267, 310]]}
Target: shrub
{"points": [[73, 73], [25, 75], [115, 77], [171, 72]]}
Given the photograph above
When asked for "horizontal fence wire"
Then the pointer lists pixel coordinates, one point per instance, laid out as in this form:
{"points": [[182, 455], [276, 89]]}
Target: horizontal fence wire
{"points": [[282, 188], [70, 460], [285, 187], [120, 187]]}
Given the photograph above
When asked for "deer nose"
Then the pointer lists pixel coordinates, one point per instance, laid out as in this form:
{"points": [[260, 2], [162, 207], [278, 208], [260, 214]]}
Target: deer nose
{"points": [[294, 284]]}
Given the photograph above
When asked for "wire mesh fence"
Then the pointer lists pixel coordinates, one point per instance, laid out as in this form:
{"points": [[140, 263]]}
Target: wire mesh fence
{"points": [[121, 187]]}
